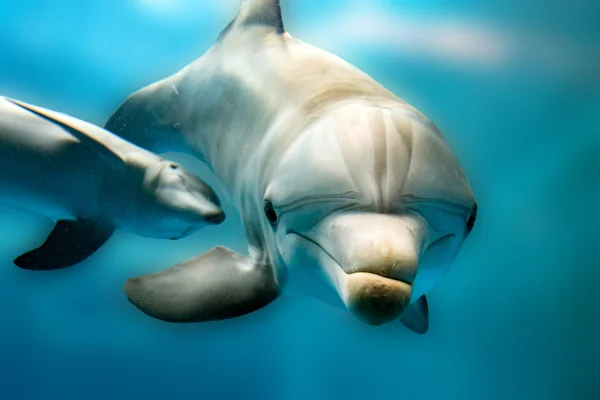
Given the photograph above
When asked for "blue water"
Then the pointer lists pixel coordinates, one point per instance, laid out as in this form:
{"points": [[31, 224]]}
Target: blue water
{"points": [[518, 98]]}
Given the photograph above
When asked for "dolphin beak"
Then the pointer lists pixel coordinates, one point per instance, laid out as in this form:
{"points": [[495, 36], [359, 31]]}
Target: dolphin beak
{"points": [[371, 260], [210, 213], [375, 299], [216, 217]]}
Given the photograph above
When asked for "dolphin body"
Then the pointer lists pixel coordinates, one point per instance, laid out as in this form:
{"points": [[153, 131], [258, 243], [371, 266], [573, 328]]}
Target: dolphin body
{"points": [[343, 188], [92, 182]]}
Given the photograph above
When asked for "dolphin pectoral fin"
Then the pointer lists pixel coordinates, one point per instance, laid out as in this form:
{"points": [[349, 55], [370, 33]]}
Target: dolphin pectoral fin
{"points": [[216, 285], [69, 243], [416, 317]]}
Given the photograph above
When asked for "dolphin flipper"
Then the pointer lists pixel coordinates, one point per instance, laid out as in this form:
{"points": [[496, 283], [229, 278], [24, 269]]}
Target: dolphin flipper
{"points": [[416, 316], [69, 243], [216, 285]]}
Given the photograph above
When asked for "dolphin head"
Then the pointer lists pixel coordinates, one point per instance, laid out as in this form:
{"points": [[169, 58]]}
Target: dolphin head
{"points": [[371, 206], [172, 203]]}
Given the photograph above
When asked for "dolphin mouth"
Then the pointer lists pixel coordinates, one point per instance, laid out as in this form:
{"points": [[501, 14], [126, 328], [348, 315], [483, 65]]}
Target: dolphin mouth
{"points": [[409, 280], [373, 298], [376, 299], [216, 218]]}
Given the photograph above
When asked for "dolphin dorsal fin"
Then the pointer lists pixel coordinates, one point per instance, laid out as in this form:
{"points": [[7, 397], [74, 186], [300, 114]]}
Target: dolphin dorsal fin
{"points": [[88, 134], [257, 12]]}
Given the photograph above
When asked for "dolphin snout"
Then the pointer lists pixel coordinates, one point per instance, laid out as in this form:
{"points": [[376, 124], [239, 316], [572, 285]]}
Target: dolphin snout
{"points": [[391, 254], [216, 217], [398, 262], [379, 282], [378, 257], [375, 299], [380, 277]]}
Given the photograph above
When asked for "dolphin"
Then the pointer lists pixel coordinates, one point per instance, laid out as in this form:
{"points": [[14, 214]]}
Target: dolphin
{"points": [[345, 191], [92, 182]]}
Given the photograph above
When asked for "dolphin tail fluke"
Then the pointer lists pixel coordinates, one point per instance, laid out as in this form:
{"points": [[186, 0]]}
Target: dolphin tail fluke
{"points": [[69, 243], [416, 317], [216, 285]]}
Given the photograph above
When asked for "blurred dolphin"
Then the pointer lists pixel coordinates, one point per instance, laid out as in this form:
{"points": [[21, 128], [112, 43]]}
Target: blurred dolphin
{"points": [[92, 182], [342, 187]]}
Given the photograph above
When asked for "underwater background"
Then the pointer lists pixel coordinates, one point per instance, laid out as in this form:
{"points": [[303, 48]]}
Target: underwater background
{"points": [[515, 87]]}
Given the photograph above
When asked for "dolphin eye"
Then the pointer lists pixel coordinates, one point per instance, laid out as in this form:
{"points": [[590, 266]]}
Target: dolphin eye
{"points": [[174, 166], [270, 212], [472, 218]]}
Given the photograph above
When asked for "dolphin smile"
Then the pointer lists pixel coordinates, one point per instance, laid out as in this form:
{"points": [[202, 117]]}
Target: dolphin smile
{"points": [[374, 295], [382, 273]]}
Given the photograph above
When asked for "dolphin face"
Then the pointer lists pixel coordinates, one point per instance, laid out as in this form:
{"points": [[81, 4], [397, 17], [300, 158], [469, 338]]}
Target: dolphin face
{"points": [[371, 206], [173, 203]]}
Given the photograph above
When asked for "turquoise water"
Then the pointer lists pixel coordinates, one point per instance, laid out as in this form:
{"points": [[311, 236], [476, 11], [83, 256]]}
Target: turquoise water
{"points": [[515, 87]]}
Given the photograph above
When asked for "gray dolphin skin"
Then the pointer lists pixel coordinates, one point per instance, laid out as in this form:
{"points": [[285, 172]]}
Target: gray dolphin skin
{"points": [[91, 182], [345, 191]]}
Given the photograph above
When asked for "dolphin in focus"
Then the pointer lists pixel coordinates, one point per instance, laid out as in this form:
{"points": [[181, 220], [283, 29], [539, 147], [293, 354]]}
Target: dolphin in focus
{"points": [[344, 190]]}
